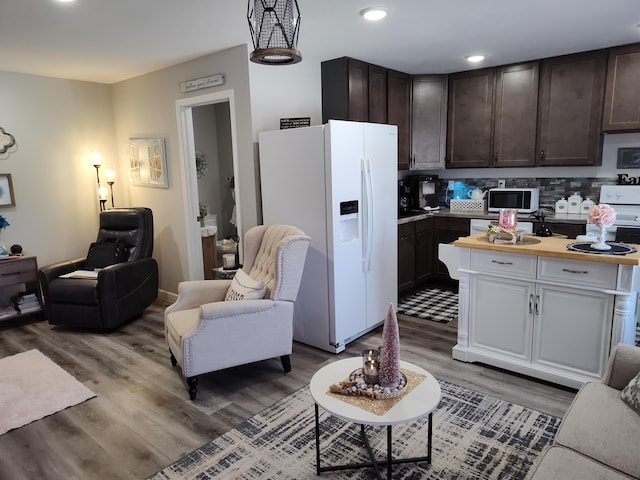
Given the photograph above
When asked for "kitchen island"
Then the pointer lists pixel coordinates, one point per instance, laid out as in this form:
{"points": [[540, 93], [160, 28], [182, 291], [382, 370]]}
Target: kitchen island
{"points": [[541, 310]]}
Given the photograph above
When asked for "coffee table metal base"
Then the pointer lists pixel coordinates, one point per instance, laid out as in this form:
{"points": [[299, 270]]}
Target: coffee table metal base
{"points": [[378, 465]]}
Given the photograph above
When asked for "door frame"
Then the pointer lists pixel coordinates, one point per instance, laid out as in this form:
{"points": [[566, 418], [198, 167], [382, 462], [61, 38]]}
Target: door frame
{"points": [[186, 140]]}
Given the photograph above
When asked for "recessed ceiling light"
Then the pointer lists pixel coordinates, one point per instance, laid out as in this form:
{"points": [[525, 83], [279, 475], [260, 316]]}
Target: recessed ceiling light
{"points": [[374, 14], [474, 58]]}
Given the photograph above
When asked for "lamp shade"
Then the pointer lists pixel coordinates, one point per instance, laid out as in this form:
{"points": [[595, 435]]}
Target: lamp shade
{"points": [[274, 26]]}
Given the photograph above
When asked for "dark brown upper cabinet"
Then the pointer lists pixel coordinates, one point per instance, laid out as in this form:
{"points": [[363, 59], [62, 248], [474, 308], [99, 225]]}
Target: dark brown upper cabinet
{"points": [[570, 109], [515, 115], [399, 113], [492, 117], [622, 96], [358, 91], [469, 121], [428, 121], [345, 90], [377, 94]]}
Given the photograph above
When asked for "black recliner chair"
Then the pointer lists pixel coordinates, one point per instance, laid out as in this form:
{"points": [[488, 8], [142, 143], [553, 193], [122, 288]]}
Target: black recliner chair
{"points": [[127, 276]]}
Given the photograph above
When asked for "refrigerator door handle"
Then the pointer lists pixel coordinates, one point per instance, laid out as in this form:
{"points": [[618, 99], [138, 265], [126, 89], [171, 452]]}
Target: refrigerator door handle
{"points": [[369, 213], [364, 219]]}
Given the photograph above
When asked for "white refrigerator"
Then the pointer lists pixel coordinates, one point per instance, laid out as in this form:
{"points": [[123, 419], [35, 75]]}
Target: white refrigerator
{"points": [[338, 183]]}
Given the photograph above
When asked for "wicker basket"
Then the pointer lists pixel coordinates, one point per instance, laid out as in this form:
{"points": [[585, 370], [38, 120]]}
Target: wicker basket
{"points": [[464, 206]]}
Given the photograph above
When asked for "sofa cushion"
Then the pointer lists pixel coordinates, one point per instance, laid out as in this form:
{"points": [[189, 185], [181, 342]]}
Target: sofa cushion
{"points": [[180, 324], [599, 425], [631, 393], [78, 291], [243, 287], [559, 463]]}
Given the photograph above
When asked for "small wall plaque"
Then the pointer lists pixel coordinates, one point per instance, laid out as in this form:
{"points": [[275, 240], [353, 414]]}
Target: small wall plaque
{"points": [[294, 122], [204, 82]]}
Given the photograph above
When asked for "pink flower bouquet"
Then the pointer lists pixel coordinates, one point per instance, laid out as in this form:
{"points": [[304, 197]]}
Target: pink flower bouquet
{"points": [[602, 214]]}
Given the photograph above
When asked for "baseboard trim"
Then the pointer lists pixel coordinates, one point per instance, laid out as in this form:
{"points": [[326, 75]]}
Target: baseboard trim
{"points": [[164, 296]]}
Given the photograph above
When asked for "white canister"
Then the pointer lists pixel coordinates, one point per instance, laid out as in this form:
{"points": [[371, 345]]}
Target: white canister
{"points": [[574, 203], [585, 206], [562, 206], [228, 261]]}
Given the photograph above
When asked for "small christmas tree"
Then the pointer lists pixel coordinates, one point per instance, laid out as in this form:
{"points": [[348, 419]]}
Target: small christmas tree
{"points": [[390, 355]]}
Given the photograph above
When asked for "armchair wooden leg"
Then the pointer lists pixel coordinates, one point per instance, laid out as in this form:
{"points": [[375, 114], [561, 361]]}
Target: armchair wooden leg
{"points": [[193, 383], [286, 363], [174, 362]]}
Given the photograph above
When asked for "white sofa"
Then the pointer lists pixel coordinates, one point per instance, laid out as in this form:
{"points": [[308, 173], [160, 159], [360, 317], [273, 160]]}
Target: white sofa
{"points": [[599, 437]]}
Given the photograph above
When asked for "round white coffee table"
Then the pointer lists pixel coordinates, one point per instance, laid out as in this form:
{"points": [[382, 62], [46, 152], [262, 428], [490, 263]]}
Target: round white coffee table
{"points": [[418, 403]]}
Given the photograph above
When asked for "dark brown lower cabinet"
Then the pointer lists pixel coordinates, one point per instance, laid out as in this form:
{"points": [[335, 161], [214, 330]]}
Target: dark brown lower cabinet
{"points": [[415, 253], [406, 256], [424, 250]]}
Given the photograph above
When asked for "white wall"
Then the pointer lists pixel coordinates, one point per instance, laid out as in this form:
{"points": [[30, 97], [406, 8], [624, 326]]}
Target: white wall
{"points": [[56, 124], [285, 91], [145, 106]]}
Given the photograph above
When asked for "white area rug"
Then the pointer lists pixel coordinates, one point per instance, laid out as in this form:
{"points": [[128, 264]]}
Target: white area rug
{"points": [[32, 387]]}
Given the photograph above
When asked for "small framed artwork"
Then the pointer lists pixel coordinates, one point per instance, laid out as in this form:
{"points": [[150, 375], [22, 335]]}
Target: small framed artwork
{"points": [[148, 162], [6, 191], [629, 157]]}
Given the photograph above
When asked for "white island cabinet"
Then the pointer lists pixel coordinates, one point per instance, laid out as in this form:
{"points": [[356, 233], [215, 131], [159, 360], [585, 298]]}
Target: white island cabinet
{"points": [[543, 311]]}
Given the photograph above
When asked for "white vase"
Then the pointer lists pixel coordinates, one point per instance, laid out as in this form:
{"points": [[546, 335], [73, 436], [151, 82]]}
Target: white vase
{"points": [[3, 250], [600, 243]]}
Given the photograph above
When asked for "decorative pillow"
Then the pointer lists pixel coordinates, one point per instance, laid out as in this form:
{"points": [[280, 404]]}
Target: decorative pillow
{"points": [[243, 287], [103, 254], [631, 393]]}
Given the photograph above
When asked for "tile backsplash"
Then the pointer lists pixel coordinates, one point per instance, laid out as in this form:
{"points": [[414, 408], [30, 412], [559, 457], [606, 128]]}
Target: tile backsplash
{"points": [[551, 189]]}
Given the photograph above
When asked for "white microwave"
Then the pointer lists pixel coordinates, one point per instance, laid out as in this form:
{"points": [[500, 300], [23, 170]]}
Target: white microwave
{"points": [[524, 200]]}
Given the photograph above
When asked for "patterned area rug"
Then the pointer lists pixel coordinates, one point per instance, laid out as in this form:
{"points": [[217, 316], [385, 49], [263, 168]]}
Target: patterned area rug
{"points": [[475, 436], [431, 304]]}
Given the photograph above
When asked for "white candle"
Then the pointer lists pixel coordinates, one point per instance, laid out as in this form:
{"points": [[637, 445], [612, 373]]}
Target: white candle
{"points": [[370, 371], [228, 260]]}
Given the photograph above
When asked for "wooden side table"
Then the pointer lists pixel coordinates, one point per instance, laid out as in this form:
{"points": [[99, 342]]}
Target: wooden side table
{"points": [[209, 255], [16, 271], [220, 273]]}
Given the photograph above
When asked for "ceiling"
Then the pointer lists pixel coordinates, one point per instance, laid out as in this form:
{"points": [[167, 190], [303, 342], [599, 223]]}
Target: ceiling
{"points": [[108, 41]]}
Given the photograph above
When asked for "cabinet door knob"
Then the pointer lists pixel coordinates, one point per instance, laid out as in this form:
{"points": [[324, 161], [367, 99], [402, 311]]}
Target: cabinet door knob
{"points": [[495, 156], [537, 306], [542, 155], [531, 303]]}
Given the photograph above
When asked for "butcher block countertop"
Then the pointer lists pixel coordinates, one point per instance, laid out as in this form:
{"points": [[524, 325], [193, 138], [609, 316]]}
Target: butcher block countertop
{"points": [[546, 247]]}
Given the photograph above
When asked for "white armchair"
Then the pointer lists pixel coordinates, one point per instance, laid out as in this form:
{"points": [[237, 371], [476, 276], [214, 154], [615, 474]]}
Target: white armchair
{"points": [[205, 333]]}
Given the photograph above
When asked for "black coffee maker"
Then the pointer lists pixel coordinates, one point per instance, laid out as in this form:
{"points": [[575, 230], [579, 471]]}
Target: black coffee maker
{"points": [[425, 192], [404, 197]]}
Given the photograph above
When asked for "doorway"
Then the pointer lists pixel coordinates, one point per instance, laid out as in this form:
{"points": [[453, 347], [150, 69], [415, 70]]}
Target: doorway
{"points": [[209, 165], [216, 183]]}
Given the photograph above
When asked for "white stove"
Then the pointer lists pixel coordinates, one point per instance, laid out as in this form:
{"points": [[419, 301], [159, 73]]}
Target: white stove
{"points": [[625, 200]]}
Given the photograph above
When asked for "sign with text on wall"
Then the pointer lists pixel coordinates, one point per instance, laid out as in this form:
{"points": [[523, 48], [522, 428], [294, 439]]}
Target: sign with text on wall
{"points": [[295, 122], [203, 82]]}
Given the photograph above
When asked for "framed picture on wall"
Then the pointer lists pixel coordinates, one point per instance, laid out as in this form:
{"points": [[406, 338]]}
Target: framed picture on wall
{"points": [[629, 157], [148, 162], [6, 191]]}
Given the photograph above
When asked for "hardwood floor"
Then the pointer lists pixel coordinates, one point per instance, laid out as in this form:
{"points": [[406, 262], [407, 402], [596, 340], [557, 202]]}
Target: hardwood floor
{"points": [[143, 420]]}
